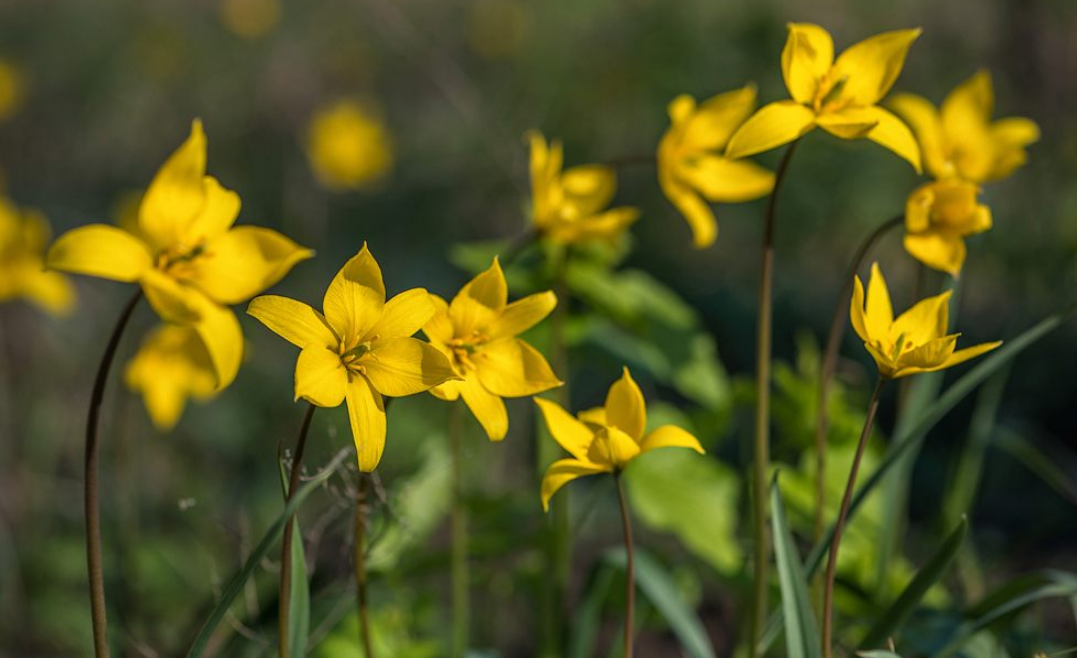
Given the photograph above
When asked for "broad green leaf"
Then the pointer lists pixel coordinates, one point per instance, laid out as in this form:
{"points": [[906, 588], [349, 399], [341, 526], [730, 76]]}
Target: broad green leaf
{"points": [[801, 631]]}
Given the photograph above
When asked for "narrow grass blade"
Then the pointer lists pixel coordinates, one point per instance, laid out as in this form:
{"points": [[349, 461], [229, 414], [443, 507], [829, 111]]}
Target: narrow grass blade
{"points": [[801, 631]]}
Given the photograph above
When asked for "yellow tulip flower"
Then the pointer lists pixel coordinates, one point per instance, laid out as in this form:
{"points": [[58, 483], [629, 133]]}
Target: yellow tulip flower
{"points": [[913, 343], [691, 166], [358, 350], [171, 366], [348, 146], [478, 334], [938, 216], [959, 140], [186, 254], [23, 237], [569, 206], [605, 439], [840, 95]]}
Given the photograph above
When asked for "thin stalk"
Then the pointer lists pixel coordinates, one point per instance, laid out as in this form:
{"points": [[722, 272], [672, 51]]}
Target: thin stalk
{"points": [[839, 525], [630, 572], [285, 610], [762, 413], [91, 492], [830, 363], [360, 566], [461, 579]]}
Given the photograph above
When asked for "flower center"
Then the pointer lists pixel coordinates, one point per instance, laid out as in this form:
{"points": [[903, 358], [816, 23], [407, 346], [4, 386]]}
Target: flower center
{"points": [[828, 93], [464, 349], [352, 357]]}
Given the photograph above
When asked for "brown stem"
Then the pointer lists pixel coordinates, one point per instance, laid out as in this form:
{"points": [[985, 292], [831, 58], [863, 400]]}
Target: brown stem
{"points": [[830, 363], [360, 566], [285, 610], [630, 572], [91, 494], [839, 525]]}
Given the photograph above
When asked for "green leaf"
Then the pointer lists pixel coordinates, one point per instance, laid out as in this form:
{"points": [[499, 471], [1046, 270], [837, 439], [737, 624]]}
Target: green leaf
{"points": [[1045, 467], [894, 616], [659, 588], [299, 606], [801, 632], [588, 617]]}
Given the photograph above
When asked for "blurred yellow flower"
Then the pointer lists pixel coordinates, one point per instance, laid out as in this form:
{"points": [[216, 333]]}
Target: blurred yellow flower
{"points": [[359, 350], [840, 96], [171, 366], [692, 167], [349, 146], [959, 140], [186, 254], [938, 216], [250, 19], [605, 439], [23, 237], [477, 333], [11, 89], [913, 343], [569, 206]]}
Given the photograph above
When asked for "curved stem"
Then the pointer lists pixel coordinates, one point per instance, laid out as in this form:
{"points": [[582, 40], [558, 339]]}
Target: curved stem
{"points": [[830, 362], [90, 493], [461, 603], [285, 610], [762, 413], [839, 525], [630, 572], [360, 566]]}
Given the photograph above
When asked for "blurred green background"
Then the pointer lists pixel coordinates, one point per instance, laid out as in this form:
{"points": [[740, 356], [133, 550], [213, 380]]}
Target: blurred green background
{"points": [[108, 89]]}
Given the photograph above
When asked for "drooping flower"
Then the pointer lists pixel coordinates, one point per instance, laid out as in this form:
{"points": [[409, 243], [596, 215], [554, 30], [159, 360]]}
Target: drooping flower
{"points": [[692, 166], [23, 237], [840, 95], [478, 334], [959, 140], [349, 146], [938, 217], [11, 89], [189, 259], [570, 206], [605, 439], [171, 366], [358, 350], [917, 341]]}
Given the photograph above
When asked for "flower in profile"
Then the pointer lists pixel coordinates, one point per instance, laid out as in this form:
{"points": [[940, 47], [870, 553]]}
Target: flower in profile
{"points": [[692, 166], [840, 95], [959, 140], [349, 146], [358, 350], [11, 89], [23, 237], [938, 217], [605, 439], [570, 206], [916, 341], [478, 334], [189, 259], [171, 366]]}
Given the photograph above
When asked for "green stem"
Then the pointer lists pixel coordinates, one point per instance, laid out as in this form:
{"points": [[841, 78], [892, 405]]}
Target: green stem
{"points": [[762, 413], [630, 573], [839, 525], [284, 613], [461, 604], [360, 566], [91, 491]]}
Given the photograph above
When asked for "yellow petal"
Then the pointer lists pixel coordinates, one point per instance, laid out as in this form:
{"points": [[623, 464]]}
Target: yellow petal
{"points": [[588, 189], [50, 291], [100, 250], [879, 314], [562, 472], [172, 300], [243, 262], [697, 213], [926, 321], [171, 365], [405, 366], [320, 377], [928, 356], [479, 302], [713, 122], [403, 315], [293, 321], [966, 114], [939, 251], [884, 362], [1010, 137], [218, 213], [449, 391], [219, 330], [926, 124], [571, 434], [625, 407], [871, 66], [487, 408], [604, 226], [730, 181], [595, 417], [856, 311], [366, 412], [354, 300], [439, 327], [177, 194], [773, 125], [511, 368], [807, 56], [876, 124], [612, 447], [522, 314], [962, 355], [670, 436]]}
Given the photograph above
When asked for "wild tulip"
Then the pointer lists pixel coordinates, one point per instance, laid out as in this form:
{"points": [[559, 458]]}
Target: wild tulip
{"points": [[23, 238], [171, 366]]}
